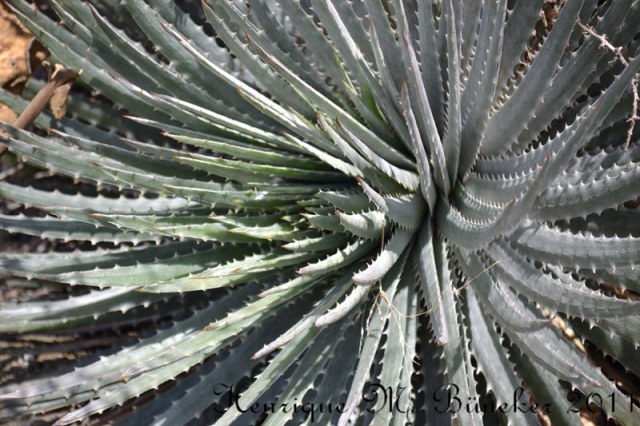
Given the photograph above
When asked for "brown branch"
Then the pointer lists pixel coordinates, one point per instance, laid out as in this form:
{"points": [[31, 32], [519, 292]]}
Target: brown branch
{"points": [[59, 79], [39, 102]]}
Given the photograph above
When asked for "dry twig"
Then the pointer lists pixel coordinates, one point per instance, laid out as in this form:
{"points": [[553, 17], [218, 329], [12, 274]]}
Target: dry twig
{"points": [[617, 51], [59, 84]]}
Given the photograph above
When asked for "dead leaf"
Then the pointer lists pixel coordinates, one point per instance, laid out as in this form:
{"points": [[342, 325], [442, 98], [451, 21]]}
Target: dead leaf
{"points": [[15, 43], [58, 102], [7, 114], [20, 54]]}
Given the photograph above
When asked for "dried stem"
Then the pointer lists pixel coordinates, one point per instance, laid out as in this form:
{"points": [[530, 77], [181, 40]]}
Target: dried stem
{"points": [[60, 78], [617, 51], [634, 117]]}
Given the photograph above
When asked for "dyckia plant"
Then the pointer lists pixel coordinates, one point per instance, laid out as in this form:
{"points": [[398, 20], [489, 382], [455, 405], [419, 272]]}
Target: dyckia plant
{"points": [[336, 211]]}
